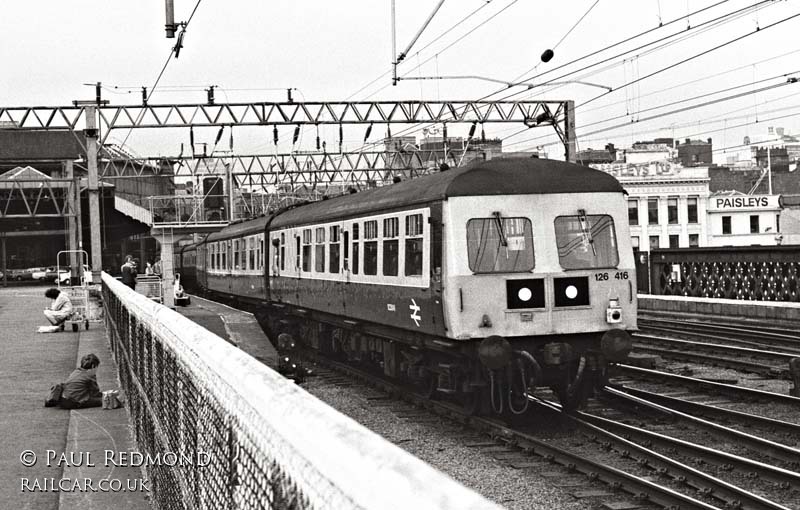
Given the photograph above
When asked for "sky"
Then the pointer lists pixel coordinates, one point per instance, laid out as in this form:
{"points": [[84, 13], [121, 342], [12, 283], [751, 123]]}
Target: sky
{"points": [[254, 50]]}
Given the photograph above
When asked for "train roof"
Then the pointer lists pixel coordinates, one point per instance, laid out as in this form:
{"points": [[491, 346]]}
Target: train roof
{"points": [[514, 176], [244, 228]]}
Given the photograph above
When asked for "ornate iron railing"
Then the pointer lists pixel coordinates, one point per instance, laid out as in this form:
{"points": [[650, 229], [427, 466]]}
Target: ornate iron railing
{"points": [[761, 273]]}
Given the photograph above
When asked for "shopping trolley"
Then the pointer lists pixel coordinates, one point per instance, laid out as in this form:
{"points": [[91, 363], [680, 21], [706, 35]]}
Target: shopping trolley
{"points": [[150, 286], [78, 294]]}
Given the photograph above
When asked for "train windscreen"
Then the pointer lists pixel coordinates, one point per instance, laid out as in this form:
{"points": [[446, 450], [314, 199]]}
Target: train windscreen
{"points": [[500, 245], [586, 241]]}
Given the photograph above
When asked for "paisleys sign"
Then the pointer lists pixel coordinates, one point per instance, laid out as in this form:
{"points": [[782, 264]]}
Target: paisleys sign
{"points": [[744, 202]]}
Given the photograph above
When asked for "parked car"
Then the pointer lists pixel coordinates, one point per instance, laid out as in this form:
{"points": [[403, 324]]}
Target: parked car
{"points": [[63, 277], [39, 273], [51, 274], [19, 274]]}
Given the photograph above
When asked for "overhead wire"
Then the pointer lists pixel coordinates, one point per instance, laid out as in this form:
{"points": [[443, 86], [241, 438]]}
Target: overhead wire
{"points": [[733, 14], [160, 75], [676, 64]]}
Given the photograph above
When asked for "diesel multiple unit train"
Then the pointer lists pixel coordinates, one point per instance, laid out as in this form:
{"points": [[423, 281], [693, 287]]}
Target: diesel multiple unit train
{"points": [[481, 282]]}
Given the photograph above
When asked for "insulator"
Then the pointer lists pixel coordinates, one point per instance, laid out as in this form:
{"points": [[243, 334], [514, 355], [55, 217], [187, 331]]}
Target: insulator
{"points": [[444, 132], [472, 130], [369, 130], [547, 55], [191, 138], [296, 135], [317, 141], [388, 130], [219, 135], [230, 140], [144, 96], [483, 134], [341, 137], [275, 134]]}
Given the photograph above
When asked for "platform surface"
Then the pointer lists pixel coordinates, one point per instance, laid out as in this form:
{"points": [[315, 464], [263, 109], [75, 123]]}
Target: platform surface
{"points": [[30, 363], [236, 326]]}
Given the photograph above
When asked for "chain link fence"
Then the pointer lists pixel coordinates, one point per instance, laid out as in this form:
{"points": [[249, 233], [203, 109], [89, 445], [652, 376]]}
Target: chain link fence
{"points": [[220, 430]]}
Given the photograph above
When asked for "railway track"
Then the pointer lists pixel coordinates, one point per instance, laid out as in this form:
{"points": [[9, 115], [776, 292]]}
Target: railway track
{"points": [[673, 478], [744, 334], [746, 359], [739, 393], [639, 442]]}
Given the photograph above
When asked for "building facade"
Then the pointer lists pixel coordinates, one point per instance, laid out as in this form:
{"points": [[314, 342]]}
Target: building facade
{"points": [[668, 210], [736, 219]]}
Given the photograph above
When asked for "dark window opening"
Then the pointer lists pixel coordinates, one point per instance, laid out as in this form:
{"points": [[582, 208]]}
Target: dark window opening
{"points": [[390, 257], [672, 211], [652, 211], [726, 224], [754, 224], [674, 241], [371, 257], [691, 205], [633, 212]]}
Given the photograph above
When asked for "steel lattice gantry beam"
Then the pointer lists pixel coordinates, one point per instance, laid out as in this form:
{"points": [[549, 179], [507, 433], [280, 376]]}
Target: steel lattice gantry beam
{"points": [[36, 198], [276, 168], [530, 113]]}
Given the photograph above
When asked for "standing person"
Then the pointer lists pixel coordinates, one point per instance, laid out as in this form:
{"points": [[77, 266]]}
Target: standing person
{"points": [[129, 272], [80, 388], [60, 310], [157, 265], [148, 270]]}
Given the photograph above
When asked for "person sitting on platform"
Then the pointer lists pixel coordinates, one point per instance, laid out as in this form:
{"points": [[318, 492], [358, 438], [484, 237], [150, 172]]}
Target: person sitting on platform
{"points": [[148, 270], [60, 310], [80, 388], [181, 298]]}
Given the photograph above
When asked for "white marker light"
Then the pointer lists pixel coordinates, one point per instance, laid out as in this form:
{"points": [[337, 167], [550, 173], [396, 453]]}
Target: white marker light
{"points": [[571, 292], [524, 294]]}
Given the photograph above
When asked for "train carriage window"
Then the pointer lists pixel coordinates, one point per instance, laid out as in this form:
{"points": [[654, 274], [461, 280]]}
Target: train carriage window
{"points": [[500, 245], [243, 254], [283, 250], [586, 241], [391, 248], [334, 248], [413, 245], [354, 264], [226, 259], [211, 255], [307, 250], [236, 261], [319, 250], [251, 252], [371, 247]]}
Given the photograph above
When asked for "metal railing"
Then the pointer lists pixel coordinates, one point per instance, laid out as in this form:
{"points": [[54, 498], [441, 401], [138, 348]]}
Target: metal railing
{"points": [[189, 210], [232, 433]]}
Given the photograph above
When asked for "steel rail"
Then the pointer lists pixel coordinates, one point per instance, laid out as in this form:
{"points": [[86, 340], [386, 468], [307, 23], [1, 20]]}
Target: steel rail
{"points": [[725, 460], [728, 389], [694, 333], [725, 349], [640, 488], [719, 354], [755, 443], [745, 333], [731, 495], [734, 324], [718, 412], [696, 357]]}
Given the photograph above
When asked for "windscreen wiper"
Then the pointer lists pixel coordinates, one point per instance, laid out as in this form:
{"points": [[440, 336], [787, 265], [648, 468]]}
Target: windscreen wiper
{"points": [[498, 218], [585, 230]]}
